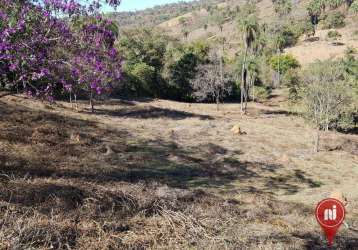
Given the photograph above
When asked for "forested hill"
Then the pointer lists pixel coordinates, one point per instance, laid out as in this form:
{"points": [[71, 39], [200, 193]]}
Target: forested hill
{"points": [[158, 14], [207, 19]]}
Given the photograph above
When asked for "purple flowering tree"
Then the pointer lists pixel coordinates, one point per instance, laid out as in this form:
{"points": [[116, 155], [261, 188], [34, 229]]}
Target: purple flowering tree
{"points": [[58, 46]]}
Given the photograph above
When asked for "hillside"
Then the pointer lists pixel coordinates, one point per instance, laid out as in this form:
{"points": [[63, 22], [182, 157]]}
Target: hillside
{"points": [[199, 125], [197, 14], [162, 174], [159, 14]]}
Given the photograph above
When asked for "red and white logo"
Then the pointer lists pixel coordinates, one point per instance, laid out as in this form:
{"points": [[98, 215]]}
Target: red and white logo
{"points": [[330, 214]]}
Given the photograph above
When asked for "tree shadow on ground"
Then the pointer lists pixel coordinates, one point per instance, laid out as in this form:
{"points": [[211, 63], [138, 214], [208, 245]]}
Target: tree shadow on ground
{"points": [[150, 113], [38, 145], [312, 39], [279, 112], [318, 242], [291, 183]]}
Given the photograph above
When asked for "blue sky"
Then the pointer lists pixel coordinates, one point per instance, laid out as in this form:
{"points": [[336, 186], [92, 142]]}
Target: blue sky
{"points": [[130, 5]]}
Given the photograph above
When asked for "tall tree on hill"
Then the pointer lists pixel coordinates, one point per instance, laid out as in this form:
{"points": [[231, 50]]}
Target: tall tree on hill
{"points": [[218, 18], [334, 3], [337, 3], [282, 7], [249, 29], [185, 33], [315, 9], [354, 7], [184, 22]]}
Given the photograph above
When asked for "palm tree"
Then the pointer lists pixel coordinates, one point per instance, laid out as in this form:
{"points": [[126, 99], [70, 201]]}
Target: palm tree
{"points": [[185, 33], [314, 9], [335, 3], [354, 7], [249, 28], [282, 7], [253, 72]]}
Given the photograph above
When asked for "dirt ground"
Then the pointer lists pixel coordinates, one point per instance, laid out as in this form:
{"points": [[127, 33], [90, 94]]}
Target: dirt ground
{"points": [[155, 174]]}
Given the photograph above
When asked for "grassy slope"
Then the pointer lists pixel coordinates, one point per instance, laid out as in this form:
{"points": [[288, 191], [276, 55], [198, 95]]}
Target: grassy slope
{"points": [[305, 52], [161, 173]]}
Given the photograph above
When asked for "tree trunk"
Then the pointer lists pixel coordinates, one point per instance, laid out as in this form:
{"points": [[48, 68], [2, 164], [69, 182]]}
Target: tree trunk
{"points": [[317, 139], [23, 85], [91, 102], [253, 93], [76, 105], [217, 103], [221, 76], [279, 69], [327, 125], [243, 81], [251, 87], [246, 97]]}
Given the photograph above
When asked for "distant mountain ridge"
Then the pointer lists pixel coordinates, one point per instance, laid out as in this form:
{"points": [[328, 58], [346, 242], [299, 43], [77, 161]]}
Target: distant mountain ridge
{"points": [[158, 14]]}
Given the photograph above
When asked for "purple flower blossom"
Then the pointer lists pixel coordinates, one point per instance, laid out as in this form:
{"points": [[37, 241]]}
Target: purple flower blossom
{"points": [[50, 98], [99, 90], [94, 85], [90, 61], [13, 67]]}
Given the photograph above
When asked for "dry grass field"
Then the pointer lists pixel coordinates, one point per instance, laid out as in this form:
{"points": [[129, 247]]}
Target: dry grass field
{"points": [[155, 174]]}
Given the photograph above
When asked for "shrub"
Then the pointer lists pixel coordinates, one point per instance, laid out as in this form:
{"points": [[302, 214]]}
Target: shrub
{"points": [[302, 27], [326, 95], [143, 77], [282, 63], [180, 68], [354, 7], [261, 93], [333, 34], [334, 20], [292, 81]]}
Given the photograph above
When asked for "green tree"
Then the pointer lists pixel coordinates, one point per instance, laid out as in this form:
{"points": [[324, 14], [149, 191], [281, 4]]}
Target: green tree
{"points": [[143, 78], [282, 7], [354, 7], [144, 52], [334, 20], [283, 63], [325, 95], [180, 68], [249, 29], [183, 21], [334, 3], [185, 33], [218, 18], [315, 8]]}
